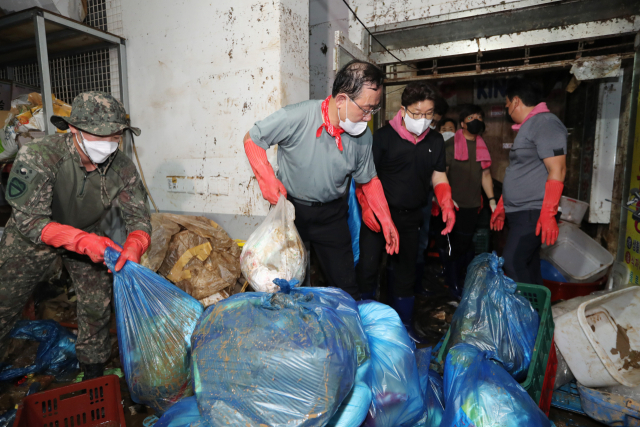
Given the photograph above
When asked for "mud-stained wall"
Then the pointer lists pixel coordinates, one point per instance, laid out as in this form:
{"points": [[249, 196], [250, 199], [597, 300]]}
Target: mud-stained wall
{"points": [[200, 74]]}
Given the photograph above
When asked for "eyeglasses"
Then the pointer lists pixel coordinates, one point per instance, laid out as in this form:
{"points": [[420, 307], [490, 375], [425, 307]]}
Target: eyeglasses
{"points": [[420, 116], [366, 112]]}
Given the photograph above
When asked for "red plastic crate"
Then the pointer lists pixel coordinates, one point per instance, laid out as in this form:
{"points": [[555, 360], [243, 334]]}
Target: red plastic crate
{"points": [[94, 402], [549, 380]]}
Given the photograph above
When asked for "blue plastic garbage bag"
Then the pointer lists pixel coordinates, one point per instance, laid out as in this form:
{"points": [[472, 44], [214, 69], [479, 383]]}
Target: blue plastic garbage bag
{"points": [[355, 406], [479, 392], [492, 317], [354, 221], [56, 353], [184, 413], [395, 384], [272, 359], [432, 390], [155, 320]]}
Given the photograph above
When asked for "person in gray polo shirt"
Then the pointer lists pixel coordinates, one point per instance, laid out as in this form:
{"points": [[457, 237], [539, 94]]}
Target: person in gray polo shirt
{"points": [[533, 182], [322, 143]]}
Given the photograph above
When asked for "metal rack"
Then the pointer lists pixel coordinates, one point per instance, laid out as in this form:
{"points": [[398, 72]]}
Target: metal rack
{"points": [[39, 33]]}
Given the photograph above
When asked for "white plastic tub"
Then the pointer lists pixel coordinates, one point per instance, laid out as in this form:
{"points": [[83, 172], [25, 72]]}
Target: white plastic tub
{"points": [[573, 210], [577, 256], [590, 340]]}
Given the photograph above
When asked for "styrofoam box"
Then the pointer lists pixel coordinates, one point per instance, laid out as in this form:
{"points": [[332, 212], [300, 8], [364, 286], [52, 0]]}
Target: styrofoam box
{"points": [[577, 256], [588, 338], [573, 210]]}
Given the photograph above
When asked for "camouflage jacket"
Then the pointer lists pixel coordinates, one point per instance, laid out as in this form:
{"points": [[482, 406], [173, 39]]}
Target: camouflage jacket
{"points": [[48, 183]]}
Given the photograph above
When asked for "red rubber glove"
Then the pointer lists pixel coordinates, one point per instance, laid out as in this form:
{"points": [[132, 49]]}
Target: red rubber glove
{"points": [[497, 217], [136, 244], [75, 240], [443, 193], [270, 186], [368, 217], [375, 197], [547, 221]]}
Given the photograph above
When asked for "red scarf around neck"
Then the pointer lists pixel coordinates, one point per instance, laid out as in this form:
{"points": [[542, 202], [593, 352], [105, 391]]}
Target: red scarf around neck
{"points": [[334, 131]]}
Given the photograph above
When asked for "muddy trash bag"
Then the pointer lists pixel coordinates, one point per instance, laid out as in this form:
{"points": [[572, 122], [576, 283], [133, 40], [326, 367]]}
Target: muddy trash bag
{"points": [[493, 317], [155, 321], [56, 353], [184, 413], [397, 396], [271, 360], [479, 392], [274, 250]]}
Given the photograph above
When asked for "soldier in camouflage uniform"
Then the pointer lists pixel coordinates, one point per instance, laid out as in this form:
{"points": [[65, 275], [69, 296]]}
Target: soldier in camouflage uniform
{"points": [[60, 188]]}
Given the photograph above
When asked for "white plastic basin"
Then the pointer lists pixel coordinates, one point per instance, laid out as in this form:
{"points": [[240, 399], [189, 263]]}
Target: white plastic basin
{"points": [[577, 256], [599, 338]]}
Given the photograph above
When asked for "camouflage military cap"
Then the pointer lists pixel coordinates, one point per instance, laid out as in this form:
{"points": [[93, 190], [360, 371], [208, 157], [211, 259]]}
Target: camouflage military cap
{"points": [[97, 113]]}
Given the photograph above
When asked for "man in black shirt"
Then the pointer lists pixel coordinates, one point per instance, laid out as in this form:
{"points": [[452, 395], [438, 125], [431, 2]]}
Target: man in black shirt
{"points": [[408, 156]]}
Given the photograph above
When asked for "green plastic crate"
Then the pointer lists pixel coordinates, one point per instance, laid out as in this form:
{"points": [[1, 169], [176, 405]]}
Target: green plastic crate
{"points": [[482, 240], [540, 299]]}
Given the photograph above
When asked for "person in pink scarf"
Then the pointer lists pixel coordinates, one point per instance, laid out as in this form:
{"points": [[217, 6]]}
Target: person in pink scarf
{"points": [[409, 158], [468, 170], [533, 182]]}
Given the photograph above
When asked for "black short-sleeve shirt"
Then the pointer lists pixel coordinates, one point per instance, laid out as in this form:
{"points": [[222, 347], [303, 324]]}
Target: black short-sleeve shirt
{"points": [[404, 168]]}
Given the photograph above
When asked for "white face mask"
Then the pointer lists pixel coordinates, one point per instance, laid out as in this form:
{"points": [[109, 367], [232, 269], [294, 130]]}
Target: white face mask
{"points": [[416, 127], [98, 151], [353, 129], [448, 135]]}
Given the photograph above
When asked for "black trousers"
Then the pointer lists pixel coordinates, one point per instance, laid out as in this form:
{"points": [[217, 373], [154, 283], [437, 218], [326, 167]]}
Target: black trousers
{"points": [[372, 246], [461, 237], [522, 250], [325, 228]]}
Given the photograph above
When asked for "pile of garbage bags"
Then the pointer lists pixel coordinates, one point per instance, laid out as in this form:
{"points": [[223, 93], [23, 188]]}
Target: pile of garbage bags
{"points": [[26, 122], [493, 333], [312, 357], [306, 357], [275, 250], [194, 253]]}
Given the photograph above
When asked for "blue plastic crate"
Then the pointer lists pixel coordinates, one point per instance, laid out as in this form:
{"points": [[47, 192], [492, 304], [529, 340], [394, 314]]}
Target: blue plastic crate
{"points": [[567, 397]]}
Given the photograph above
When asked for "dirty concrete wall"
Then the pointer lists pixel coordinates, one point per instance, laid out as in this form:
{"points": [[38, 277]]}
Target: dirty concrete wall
{"points": [[199, 77], [383, 12], [325, 18]]}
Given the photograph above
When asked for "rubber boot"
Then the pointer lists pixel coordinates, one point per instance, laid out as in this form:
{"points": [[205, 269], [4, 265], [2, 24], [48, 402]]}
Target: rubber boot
{"points": [[92, 370], [404, 307], [419, 289]]}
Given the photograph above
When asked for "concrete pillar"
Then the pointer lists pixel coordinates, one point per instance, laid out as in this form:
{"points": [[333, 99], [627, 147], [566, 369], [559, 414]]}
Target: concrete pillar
{"points": [[325, 18]]}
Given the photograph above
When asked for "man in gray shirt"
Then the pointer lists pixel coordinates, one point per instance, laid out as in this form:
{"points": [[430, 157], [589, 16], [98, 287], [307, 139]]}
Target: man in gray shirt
{"points": [[321, 145], [533, 182]]}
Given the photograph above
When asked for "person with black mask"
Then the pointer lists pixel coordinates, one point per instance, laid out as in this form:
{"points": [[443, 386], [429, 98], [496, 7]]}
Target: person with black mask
{"points": [[468, 171]]}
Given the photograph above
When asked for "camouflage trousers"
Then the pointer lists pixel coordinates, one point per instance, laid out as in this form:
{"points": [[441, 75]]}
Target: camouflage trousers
{"points": [[22, 265]]}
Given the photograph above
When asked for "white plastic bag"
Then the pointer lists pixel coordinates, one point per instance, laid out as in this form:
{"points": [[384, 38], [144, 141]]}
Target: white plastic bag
{"points": [[274, 251], [9, 147]]}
